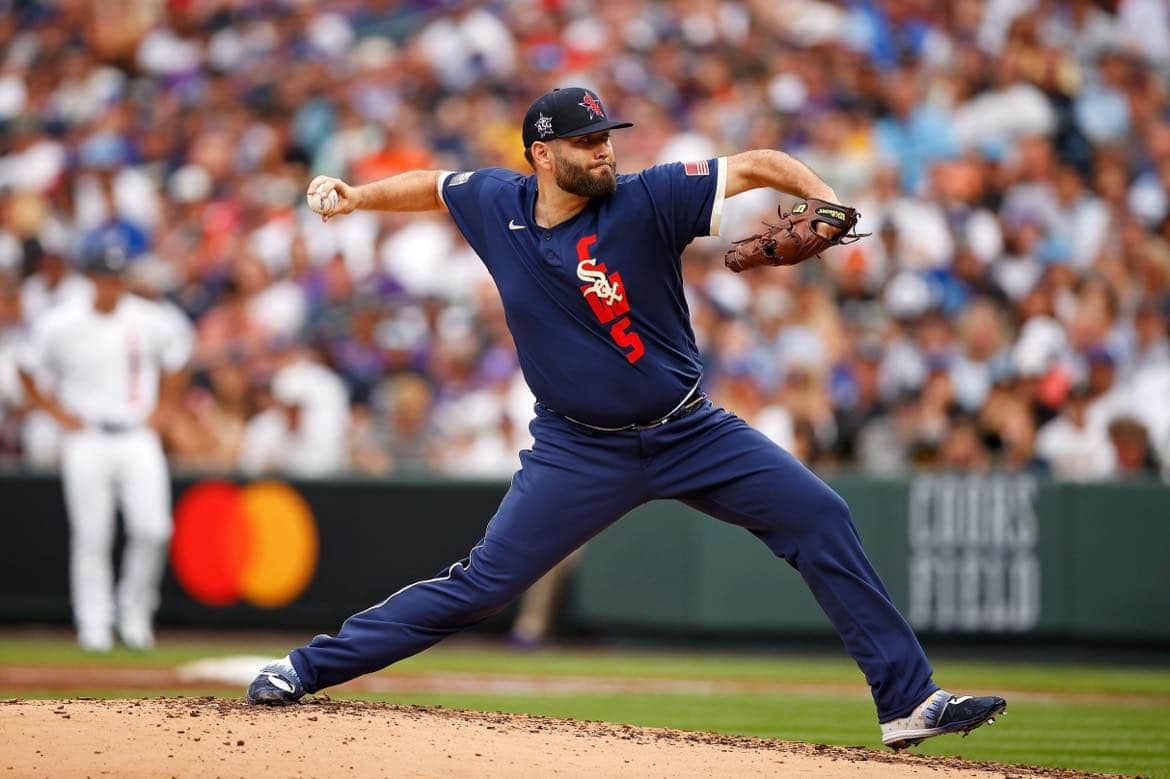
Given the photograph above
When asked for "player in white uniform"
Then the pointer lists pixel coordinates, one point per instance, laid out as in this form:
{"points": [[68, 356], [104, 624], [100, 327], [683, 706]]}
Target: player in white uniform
{"points": [[108, 362], [53, 283]]}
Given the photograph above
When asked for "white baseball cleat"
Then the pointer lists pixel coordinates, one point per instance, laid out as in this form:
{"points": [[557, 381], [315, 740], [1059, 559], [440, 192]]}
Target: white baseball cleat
{"points": [[95, 640], [939, 714], [136, 634]]}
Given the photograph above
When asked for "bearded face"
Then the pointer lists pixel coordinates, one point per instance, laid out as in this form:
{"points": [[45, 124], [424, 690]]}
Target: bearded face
{"points": [[596, 180]]}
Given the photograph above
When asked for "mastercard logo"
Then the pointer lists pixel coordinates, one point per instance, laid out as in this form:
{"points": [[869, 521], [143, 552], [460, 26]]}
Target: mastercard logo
{"points": [[256, 543]]}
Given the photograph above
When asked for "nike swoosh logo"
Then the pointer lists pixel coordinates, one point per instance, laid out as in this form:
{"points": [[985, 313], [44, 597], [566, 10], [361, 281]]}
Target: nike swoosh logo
{"points": [[955, 701], [279, 683], [513, 226]]}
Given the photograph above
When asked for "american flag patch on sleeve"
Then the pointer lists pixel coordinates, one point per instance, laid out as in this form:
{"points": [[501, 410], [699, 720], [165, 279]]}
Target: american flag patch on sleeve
{"points": [[700, 168]]}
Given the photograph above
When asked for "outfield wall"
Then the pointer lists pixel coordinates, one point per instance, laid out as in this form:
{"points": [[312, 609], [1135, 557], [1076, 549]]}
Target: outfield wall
{"points": [[995, 555], [987, 555]]}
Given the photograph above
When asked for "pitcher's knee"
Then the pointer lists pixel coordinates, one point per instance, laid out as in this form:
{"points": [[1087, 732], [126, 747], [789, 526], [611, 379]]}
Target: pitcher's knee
{"points": [[838, 510], [829, 521]]}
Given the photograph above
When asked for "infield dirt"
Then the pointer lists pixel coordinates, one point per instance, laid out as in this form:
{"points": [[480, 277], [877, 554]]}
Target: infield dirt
{"points": [[322, 737]]}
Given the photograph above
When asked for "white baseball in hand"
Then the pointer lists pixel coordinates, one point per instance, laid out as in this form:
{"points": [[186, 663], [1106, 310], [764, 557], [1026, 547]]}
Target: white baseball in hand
{"points": [[323, 203]]}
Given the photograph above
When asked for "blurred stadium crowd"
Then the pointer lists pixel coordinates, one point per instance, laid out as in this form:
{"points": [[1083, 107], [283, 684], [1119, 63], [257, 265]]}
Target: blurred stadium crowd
{"points": [[1011, 157]]}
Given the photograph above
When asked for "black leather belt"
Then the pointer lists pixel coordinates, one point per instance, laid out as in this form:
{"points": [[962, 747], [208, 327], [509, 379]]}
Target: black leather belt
{"points": [[114, 428], [685, 408]]}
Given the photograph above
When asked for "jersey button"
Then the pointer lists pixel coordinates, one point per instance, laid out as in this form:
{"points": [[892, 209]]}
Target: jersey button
{"points": [[548, 236], [551, 257]]}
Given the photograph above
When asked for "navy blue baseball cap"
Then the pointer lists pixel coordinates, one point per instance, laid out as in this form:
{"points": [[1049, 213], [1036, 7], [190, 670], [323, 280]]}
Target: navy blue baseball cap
{"points": [[567, 113]]}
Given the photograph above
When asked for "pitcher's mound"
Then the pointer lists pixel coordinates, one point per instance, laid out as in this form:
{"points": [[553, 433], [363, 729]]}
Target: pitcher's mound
{"points": [[322, 737]]}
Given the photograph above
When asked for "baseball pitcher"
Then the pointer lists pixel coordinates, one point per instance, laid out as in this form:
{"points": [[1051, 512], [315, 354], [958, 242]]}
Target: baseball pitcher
{"points": [[587, 263]]}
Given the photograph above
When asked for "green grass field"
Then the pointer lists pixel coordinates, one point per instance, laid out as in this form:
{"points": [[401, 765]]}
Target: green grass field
{"points": [[1092, 717]]}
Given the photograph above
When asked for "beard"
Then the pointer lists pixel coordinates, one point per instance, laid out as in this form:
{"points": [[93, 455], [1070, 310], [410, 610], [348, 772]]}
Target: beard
{"points": [[580, 181]]}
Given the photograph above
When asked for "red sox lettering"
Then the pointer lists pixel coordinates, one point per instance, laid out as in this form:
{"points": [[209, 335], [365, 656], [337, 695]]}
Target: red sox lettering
{"points": [[607, 297]]}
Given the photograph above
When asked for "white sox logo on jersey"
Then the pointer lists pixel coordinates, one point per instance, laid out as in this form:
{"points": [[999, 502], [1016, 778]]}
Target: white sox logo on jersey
{"points": [[599, 283], [606, 296]]}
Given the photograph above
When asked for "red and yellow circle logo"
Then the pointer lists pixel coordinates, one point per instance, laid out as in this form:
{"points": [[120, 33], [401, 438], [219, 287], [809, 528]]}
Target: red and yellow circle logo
{"points": [[256, 543]]}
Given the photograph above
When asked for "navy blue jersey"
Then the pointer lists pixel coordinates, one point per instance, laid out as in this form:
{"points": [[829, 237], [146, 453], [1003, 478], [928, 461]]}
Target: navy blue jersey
{"points": [[596, 304]]}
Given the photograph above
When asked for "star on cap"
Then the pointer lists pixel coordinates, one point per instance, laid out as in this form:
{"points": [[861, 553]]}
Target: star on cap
{"points": [[544, 125]]}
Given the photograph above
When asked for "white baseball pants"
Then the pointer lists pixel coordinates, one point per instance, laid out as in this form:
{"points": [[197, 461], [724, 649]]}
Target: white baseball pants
{"points": [[98, 468]]}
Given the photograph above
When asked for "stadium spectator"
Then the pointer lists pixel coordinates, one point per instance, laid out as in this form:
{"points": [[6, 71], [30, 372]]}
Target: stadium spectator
{"points": [[1073, 449], [50, 281], [1131, 446], [1011, 159], [304, 431], [11, 396]]}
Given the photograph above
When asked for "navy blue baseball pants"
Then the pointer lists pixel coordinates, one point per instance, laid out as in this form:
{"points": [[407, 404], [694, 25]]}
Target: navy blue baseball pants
{"points": [[575, 482]]}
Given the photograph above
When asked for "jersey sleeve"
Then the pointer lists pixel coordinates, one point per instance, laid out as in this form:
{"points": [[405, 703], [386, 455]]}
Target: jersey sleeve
{"points": [[34, 354], [176, 338], [687, 197], [470, 197]]}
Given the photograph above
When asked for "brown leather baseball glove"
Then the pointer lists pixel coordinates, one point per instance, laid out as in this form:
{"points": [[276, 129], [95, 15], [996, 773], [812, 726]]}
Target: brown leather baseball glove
{"points": [[795, 239]]}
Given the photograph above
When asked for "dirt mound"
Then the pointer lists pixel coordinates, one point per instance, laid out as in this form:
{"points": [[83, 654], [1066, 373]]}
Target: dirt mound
{"points": [[323, 737]]}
